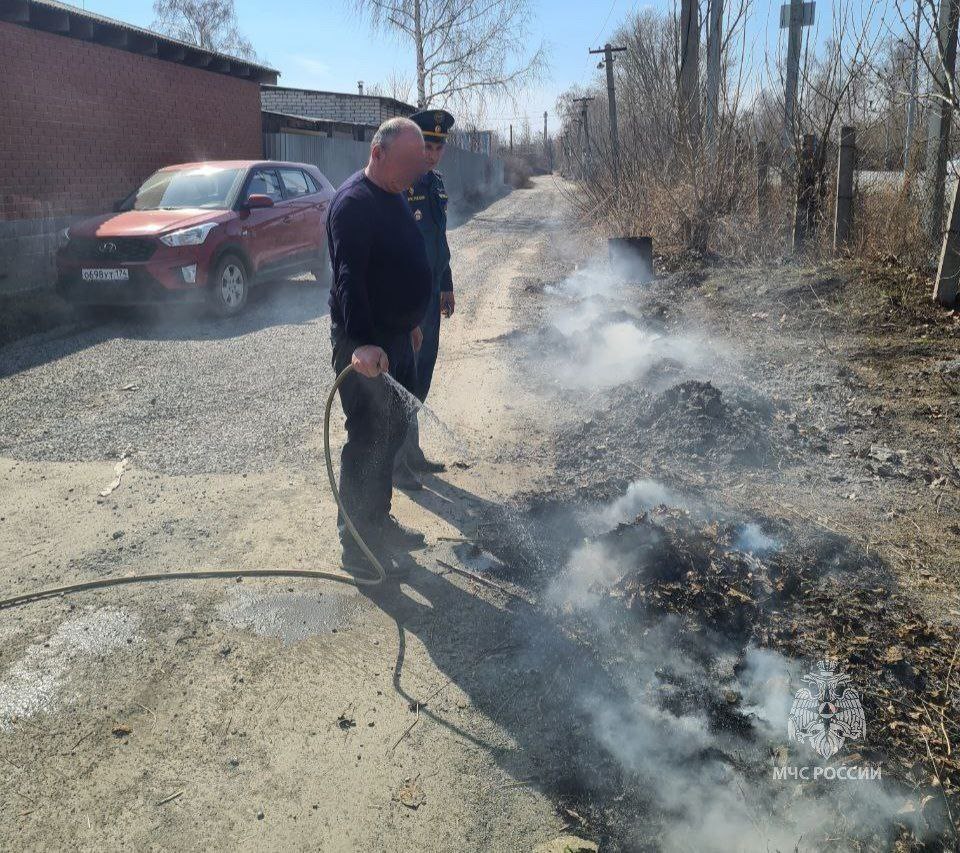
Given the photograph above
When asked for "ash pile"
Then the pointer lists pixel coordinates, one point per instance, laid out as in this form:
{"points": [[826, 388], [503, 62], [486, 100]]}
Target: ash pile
{"points": [[803, 599], [689, 424], [674, 565]]}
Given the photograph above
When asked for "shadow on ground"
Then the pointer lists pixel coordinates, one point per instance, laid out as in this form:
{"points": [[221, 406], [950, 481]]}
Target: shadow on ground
{"points": [[49, 330]]}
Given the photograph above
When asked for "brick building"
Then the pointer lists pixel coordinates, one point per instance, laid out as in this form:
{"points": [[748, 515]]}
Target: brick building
{"points": [[90, 107], [332, 106]]}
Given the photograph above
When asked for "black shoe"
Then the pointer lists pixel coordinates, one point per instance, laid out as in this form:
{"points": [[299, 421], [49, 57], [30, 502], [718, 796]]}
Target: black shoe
{"points": [[354, 562], [404, 478], [395, 535]]}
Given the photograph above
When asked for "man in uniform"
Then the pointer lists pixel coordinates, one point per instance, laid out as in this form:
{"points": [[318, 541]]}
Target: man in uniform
{"points": [[428, 201]]}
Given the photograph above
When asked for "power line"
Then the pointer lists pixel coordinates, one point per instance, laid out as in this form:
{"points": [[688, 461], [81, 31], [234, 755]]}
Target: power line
{"points": [[602, 28], [605, 20]]}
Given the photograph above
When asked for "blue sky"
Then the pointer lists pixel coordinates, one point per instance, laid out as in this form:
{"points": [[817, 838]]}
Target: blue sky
{"points": [[323, 44]]}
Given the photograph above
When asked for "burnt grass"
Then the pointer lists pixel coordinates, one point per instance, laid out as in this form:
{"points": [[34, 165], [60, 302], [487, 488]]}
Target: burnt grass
{"points": [[827, 592]]}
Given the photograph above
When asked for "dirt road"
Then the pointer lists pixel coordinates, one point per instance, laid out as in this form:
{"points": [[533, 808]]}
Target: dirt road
{"points": [[706, 484], [257, 715]]}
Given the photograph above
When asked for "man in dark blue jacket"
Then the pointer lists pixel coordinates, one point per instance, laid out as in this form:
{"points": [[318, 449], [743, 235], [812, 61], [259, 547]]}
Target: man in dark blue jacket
{"points": [[380, 292], [428, 200]]}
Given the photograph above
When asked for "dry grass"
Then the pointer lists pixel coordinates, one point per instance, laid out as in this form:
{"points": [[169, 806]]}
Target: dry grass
{"points": [[888, 224], [722, 214]]}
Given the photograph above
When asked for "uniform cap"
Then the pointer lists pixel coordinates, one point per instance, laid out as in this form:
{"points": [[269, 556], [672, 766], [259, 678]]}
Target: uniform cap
{"points": [[435, 124]]}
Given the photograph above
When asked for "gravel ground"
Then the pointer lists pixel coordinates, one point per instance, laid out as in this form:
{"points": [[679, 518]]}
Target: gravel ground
{"points": [[181, 392], [275, 715]]}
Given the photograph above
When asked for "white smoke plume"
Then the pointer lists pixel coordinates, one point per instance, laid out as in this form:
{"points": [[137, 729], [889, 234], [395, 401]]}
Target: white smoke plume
{"points": [[641, 496], [712, 790], [753, 540], [603, 347], [710, 787]]}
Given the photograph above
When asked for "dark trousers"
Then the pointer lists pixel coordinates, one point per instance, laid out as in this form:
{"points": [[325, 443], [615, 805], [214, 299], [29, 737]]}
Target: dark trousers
{"points": [[376, 427], [426, 360], [427, 357]]}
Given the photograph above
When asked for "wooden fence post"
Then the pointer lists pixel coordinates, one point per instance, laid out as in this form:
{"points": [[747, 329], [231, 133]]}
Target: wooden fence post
{"points": [[948, 272], [805, 214], [763, 186], [843, 220]]}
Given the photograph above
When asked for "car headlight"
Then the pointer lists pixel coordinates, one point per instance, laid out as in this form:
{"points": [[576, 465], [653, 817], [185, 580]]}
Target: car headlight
{"points": [[189, 236]]}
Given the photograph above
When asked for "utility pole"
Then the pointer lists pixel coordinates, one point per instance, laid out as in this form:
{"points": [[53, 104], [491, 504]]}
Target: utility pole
{"points": [[586, 133], [938, 132], [690, 70], [714, 43], [546, 143], [914, 87], [794, 16], [608, 53], [511, 139]]}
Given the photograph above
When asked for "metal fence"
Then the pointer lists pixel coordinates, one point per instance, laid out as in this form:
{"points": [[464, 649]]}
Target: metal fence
{"points": [[465, 174]]}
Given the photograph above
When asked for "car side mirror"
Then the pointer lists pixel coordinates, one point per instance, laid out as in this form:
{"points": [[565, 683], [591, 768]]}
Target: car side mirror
{"points": [[258, 200]]}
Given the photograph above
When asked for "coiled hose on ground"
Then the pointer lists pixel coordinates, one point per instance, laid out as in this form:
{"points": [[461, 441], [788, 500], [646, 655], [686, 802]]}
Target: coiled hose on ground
{"points": [[355, 580]]}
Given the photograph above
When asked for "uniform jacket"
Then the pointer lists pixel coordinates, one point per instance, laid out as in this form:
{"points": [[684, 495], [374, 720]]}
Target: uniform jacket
{"points": [[428, 201]]}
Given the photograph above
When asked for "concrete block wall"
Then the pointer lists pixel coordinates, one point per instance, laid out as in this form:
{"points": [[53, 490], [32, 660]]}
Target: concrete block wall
{"points": [[333, 106]]}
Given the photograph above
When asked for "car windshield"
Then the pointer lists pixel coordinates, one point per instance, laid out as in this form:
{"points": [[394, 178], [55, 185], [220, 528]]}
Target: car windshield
{"points": [[206, 187]]}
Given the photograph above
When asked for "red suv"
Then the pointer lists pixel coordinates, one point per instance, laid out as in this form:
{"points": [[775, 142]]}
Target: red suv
{"points": [[207, 230]]}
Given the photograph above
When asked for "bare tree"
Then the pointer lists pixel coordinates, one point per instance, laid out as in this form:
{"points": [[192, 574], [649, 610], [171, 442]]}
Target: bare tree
{"points": [[211, 24], [397, 86], [465, 50]]}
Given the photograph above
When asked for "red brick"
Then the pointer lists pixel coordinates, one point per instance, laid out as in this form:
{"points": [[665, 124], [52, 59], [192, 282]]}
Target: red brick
{"points": [[84, 123]]}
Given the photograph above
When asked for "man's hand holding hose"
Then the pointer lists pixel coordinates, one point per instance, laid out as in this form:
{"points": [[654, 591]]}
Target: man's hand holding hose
{"points": [[370, 361]]}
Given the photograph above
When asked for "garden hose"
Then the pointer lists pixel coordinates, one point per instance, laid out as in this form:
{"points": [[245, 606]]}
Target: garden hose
{"points": [[378, 578]]}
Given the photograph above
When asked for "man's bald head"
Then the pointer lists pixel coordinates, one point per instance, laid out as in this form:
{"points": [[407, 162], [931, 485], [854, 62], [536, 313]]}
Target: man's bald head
{"points": [[396, 155]]}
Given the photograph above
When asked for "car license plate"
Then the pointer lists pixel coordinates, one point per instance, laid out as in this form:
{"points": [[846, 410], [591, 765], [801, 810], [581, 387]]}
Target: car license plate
{"points": [[102, 274]]}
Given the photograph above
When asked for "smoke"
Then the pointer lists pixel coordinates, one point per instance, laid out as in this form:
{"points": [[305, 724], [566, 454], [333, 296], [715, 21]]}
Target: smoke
{"points": [[595, 343], [711, 786], [583, 585], [753, 540], [641, 496], [695, 721]]}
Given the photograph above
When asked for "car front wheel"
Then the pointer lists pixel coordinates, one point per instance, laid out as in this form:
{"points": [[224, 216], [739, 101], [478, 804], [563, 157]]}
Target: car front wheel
{"points": [[229, 286]]}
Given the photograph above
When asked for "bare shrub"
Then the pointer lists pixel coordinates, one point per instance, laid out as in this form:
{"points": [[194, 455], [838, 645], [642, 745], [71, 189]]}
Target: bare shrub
{"points": [[516, 171], [889, 225], [691, 198], [716, 197]]}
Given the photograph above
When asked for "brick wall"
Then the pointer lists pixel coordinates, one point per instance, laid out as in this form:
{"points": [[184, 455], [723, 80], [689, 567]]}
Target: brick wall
{"points": [[83, 124], [333, 106]]}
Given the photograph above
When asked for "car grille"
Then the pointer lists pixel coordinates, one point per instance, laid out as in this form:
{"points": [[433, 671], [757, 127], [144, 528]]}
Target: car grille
{"points": [[113, 249]]}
